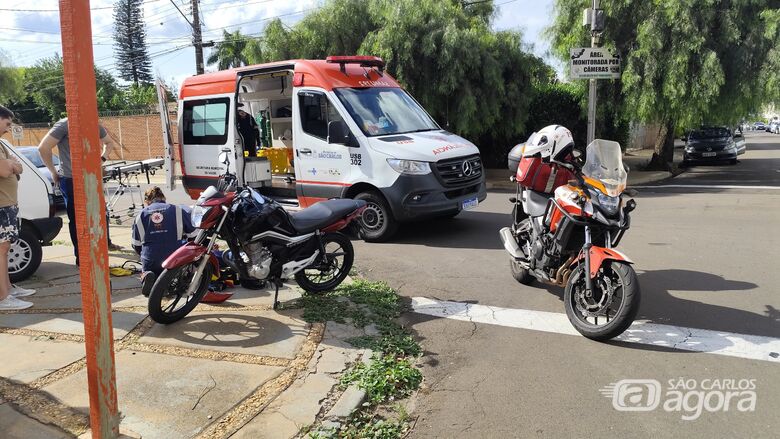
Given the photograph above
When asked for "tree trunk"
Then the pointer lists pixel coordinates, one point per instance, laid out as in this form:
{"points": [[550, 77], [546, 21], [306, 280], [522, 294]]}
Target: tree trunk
{"points": [[663, 157]]}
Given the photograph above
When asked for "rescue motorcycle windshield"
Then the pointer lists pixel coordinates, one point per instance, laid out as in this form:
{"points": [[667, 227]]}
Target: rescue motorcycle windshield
{"points": [[604, 167], [383, 111]]}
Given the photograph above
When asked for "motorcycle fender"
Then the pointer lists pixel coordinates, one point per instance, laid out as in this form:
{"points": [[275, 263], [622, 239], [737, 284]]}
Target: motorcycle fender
{"points": [[186, 254], [600, 254]]}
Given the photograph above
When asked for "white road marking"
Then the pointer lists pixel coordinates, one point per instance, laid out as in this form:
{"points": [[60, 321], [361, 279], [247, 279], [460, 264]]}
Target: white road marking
{"points": [[705, 186], [751, 347]]}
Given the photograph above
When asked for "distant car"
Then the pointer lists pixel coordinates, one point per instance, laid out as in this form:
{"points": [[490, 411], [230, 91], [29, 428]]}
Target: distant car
{"points": [[712, 144], [774, 127], [759, 126], [32, 154]]}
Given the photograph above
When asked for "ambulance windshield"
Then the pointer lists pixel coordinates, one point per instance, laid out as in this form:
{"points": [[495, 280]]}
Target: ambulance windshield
{"points": [[382, 111]]}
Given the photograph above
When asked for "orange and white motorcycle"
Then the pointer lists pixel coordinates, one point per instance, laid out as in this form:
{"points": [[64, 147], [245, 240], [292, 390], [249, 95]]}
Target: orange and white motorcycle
{"points": [[569, 239]]}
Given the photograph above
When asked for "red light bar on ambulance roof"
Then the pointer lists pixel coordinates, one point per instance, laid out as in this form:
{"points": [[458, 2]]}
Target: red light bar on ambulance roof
{"points": [[364, 61]]}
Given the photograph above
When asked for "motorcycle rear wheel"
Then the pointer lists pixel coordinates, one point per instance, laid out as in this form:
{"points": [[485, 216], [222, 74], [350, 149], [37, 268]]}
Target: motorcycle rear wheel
{"points": [[616, 280], [171, 288], [330, 269]]}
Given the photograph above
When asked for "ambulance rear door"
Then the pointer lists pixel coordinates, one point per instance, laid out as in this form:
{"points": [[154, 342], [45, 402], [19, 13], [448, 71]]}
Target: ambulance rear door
{"points": [[170, 164]]}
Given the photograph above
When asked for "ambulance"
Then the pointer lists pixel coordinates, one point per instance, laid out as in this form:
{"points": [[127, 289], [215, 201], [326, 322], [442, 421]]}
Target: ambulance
{"points": [[335, 128]]}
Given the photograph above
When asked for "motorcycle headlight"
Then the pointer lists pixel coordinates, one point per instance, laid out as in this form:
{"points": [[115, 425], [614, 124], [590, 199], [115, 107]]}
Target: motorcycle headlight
{"points": [[409, 167], [608, 204], [197, 214]]}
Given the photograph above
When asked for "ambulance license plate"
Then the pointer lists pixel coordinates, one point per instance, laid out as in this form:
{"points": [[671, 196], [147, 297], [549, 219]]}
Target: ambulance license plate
{"points": [[471, 203]]}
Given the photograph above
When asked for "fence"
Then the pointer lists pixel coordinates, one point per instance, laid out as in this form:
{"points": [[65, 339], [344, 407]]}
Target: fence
{"points": [[140, 136]]}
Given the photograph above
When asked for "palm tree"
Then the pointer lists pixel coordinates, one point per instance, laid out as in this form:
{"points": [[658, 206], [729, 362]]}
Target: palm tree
{"points": [[229, 52]]}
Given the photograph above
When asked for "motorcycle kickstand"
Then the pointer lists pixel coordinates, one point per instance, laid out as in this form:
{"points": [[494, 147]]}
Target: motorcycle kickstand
{"points": [[277, 284]]}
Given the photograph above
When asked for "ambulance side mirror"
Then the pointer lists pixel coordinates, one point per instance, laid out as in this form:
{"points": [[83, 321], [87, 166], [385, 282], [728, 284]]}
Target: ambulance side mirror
{"points": [[338, 132]]}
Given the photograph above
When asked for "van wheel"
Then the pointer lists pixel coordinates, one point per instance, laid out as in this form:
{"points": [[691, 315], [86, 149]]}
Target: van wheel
{"points": [[377, 223], [24, 256]]}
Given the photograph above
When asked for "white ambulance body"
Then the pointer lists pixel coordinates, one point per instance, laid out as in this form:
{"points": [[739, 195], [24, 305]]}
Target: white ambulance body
{"points": [[348, 129]]}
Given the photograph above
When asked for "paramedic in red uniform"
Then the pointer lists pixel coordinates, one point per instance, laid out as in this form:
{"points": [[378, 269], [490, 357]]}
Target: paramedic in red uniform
{"points": [[158, 230]]}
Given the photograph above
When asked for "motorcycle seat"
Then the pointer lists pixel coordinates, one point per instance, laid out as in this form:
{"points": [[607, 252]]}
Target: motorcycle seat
{"points": [[323, 213]]}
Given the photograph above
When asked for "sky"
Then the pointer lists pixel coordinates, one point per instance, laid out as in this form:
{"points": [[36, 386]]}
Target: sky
{"points": [[27, 36]]}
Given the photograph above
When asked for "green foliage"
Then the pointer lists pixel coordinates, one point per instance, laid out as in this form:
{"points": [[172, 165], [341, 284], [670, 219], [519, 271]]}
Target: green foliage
{"points": [[386, 378], [132, 55], [229, 52], [685, 62], [11, 80], [365, 425], [476, 82]]}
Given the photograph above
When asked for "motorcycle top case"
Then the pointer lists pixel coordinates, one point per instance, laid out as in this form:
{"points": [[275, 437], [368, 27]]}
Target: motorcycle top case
{"points": [[534, 174]]}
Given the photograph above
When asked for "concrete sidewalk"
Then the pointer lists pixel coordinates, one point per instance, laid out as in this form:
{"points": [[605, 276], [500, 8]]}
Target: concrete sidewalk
{"points": [[238, 369]]}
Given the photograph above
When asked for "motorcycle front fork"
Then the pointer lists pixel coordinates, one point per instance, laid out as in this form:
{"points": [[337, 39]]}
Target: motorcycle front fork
{"points": [[204, 260], [586, 249]]}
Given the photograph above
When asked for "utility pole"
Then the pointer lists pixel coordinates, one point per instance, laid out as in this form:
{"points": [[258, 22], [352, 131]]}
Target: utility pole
{"points": [[196, 38], [596, 22]]}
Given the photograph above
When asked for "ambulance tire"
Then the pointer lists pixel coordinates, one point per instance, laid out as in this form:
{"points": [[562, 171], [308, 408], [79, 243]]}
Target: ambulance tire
{"points": [[377, 223]]}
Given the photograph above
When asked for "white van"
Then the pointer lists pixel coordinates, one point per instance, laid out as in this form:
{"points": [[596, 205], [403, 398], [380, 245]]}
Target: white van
{"points": [[37, 215], [340, 127]]}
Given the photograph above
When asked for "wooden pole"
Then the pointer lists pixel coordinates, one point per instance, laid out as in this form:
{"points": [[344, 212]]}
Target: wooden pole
{"points": [[81, 105]]}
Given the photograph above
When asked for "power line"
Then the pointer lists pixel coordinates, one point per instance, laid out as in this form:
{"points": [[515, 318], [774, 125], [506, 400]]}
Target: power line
{"points": [[57, 10]]}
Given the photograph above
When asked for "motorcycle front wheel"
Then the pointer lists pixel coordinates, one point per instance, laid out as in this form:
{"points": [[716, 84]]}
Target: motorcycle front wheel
{"points": [[610, 308], [330, 269], [169, 301]]}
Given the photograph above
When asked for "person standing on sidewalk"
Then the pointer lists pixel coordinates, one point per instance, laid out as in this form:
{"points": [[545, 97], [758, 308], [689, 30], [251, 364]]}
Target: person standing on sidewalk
{"points": [[58, 136], [10, 169]]}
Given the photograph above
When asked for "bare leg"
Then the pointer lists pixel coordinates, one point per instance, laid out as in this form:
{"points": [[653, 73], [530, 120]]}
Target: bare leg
{"points": [[5, 282]]}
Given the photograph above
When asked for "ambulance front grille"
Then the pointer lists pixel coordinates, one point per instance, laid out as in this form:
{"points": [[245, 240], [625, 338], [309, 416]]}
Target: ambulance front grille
{"points": [[459, 171]]}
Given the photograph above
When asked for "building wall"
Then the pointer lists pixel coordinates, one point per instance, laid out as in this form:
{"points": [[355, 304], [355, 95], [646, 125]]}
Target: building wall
{"points": [[140, 137]]}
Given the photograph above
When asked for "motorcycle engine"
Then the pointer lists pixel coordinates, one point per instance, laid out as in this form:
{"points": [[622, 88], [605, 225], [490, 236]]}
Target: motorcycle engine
{"points": [[260, 258]]}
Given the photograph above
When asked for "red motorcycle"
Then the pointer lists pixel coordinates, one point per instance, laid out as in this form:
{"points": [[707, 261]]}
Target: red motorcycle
{"points": [[265, 243]]}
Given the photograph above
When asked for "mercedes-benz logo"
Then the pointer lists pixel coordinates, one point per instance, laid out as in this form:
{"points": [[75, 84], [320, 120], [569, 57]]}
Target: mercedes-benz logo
{"points": [[467, 169], [709, 149]]}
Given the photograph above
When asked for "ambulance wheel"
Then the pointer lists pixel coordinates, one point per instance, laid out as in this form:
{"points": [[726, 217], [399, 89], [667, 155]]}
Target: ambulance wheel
{"points": [[377, 223]]}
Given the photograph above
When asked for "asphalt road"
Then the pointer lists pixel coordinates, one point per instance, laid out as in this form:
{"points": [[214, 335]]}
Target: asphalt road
{"points": [[706, 258]]}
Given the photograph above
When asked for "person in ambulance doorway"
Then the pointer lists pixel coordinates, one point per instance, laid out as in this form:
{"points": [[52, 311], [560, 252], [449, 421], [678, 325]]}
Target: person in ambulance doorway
{"points": [[158, 230], [249, 131]]}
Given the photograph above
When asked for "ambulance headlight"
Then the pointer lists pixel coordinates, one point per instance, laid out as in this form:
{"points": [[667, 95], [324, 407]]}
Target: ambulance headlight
{"points": [[197, 214], [409, 167]]}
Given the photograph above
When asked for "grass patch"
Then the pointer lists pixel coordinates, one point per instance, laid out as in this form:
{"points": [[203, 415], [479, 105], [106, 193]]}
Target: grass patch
{"points": [[386, 378], [391, 374]]}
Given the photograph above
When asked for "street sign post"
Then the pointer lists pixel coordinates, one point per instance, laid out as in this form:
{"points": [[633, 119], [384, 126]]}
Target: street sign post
{"points": [[17, 131], [594, 63]]}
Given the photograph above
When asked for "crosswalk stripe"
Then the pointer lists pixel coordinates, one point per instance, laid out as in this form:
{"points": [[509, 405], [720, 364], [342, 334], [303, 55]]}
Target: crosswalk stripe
{"points": [[753, 347]]}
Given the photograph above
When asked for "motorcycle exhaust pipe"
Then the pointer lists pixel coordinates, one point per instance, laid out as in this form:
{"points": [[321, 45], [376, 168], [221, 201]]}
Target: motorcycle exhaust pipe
{"points": [[510, 244]]}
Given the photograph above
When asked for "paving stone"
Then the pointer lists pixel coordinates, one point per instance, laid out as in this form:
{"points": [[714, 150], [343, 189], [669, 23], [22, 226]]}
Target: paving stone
{"points": [[70, 323], [125, 298], [336, 334], [263, 297], [57, 268], [267, 333], [294, 409], [18, 426], [125, 282], [349, 401], [55, 302], [34, 357], [335, 360], [157, 392], [52, 290]]}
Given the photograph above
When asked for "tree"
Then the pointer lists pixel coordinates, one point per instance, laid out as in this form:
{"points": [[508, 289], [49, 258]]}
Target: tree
{"points": [[230, 51], [685, 62], [11, 79], [476, 82], [132, 56], [44, 83]]}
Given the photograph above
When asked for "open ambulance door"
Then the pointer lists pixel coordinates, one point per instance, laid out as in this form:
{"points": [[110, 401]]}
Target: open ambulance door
{"points": [[170, 164]]}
